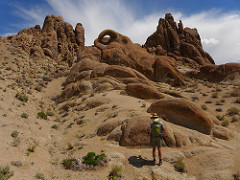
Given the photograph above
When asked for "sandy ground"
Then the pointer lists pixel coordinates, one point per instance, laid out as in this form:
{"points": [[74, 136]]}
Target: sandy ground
{"points": [[219, 158]]}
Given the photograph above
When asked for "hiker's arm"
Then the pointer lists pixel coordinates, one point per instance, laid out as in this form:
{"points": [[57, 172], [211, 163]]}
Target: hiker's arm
{"points": [[149, 128]]}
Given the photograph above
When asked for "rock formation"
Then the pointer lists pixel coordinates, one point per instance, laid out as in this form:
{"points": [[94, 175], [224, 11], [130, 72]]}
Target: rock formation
{"points": [[57, 39], [174, 40], [217, 73], [183, 112], [120, 50]]}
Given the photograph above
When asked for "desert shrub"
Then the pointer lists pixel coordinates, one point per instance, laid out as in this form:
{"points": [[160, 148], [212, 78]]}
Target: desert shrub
{"points": [[40, 176], [237, 101], [100, 156], [92, 159], [232, 111], [236, 176], [67, 163], [42, 115], [219, 117], [112, 114], [204, 107], [116, 172], [5, 173], [179, 165], [50, 113], [215, 95], [69, 146], [32, 147], [195, 98], [55, 126], [14, 134], [38, 87], [16, 142], [225, 123], [208, 102], [234, 119], [219, 103], [24, 115], [16, 163], [22, 97]]}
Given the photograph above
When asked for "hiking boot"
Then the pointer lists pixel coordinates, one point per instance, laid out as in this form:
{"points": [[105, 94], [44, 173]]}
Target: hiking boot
{"points": [[154, 161], [160, 162]]}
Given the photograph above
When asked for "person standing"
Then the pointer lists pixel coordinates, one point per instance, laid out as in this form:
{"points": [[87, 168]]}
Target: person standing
{"points": [[156, 129]]}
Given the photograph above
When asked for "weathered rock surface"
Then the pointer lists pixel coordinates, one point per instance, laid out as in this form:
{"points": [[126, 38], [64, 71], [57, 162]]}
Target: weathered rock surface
{"points": [[120, 50], [57, 38], [171, 38], [183, 112], [143, 91], [217, 73]]}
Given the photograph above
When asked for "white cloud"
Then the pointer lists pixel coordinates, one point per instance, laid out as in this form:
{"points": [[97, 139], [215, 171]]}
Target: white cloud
{"points": [[210, 42], [7, 34], [219, 31]]}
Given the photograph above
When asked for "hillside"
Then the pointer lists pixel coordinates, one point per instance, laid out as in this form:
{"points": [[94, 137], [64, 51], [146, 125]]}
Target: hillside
{"points": [[61, 99]]}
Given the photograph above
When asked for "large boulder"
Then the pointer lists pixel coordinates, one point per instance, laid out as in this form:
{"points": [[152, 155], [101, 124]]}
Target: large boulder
{"points": [[165, 70], [143, 91], [134, 131], [184, 113]]}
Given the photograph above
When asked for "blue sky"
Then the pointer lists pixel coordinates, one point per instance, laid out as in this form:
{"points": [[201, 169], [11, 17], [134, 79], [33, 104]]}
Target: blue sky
{"points": [[218, 21]]}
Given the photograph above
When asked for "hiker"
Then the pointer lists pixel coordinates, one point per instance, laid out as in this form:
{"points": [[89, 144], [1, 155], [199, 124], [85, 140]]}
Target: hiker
{"points": [[156, 130]]}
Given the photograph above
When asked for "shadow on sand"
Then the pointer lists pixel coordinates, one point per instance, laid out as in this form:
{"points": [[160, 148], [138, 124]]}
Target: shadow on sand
{"points": [[139, 162]]}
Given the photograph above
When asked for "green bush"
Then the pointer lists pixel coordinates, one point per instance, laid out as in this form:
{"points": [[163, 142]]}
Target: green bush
{"points": [[100, 156], [22, 97], [179, 165], [5, 173], [232, 111], [67, 163], [55, 126], [42, 115], [92, 159], [32, 146], [16, 142], [220, 118], [40, 176], [225, 123], [14, 134], [24, 115], [204, 107], [234, 119]]}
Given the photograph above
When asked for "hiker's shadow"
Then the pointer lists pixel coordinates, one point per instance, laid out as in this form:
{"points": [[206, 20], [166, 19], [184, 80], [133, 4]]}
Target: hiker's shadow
{"points": [[139, 162]]}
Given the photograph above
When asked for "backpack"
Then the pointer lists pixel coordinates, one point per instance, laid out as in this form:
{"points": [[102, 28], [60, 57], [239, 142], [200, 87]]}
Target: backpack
{"points": [[156, 128]]}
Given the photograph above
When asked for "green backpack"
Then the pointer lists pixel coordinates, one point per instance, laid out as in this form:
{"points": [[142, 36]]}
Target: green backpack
{"points": [[156, 129]]}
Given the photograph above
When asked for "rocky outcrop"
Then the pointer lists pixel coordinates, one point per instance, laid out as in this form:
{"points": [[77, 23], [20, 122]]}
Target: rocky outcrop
{"points": [[57, 38], [172, 39], [217, 73], [184, 113], [134, 132], [166, 71], [120, 50]]}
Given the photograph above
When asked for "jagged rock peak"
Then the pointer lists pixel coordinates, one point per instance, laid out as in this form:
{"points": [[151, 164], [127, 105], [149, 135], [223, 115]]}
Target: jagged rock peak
{"points": [[173, 39]]}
